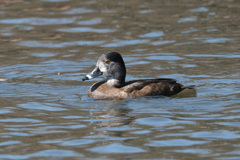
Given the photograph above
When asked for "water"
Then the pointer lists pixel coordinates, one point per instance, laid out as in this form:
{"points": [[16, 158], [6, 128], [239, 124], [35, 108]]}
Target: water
{"points": [[47, 46]]}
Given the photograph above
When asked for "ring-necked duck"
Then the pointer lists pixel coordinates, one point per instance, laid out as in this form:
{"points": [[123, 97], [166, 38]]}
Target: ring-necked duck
{"points": [[112, 67]]}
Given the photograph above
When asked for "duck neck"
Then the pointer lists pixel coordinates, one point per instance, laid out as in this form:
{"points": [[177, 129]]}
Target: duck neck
{"points": [[116, 81], [120, 76]]}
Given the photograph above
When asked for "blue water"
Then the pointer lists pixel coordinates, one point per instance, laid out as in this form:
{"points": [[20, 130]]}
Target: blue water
{"points": [[49, 45]]}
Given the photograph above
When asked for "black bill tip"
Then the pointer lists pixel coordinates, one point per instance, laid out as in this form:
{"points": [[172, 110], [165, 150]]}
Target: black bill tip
{"points": [[85, 78]]}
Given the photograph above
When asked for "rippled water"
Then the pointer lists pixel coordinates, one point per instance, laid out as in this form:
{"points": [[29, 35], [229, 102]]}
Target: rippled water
{"points": [[47, 46]]}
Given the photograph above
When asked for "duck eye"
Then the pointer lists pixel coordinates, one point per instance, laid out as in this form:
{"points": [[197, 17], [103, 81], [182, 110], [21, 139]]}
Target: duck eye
{"points": [[107, 62]]}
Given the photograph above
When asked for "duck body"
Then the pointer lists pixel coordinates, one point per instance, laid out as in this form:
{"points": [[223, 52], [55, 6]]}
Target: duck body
{"points": [[112, 67], [138, 88]]}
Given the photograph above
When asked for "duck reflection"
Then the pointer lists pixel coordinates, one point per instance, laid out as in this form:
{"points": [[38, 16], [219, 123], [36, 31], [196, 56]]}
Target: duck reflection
{"points": [[112, 114]]}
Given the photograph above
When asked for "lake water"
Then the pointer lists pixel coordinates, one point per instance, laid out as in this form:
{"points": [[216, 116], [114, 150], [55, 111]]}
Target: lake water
{"points": [[47, 46]]}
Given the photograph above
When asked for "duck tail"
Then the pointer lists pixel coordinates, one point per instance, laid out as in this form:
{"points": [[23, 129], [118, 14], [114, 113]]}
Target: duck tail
{"points": [[188, 87], [187, 91]]}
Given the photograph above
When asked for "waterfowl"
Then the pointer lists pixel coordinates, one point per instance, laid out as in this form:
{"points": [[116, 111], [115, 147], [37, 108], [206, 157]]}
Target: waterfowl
{"points": [[114, 86]]}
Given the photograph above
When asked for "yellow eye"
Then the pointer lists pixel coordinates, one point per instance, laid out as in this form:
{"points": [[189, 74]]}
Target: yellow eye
{"points": [[107, 62]]}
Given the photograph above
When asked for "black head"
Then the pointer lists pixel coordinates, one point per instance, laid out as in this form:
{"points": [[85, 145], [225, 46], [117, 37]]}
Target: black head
{"points": [[112, 67]]}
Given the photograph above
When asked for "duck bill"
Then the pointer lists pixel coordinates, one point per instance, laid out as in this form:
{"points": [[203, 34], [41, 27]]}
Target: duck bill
{"points": [[95, 73]]}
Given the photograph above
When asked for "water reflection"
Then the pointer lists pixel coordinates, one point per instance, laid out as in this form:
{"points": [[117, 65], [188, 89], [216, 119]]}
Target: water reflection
{"points": [[111, 118]]}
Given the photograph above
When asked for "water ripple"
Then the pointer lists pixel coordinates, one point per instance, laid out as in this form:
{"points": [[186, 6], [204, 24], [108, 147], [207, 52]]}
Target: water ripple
{"points": [[187, 19], [44, 55], [155, 121], [47, 107], [215, 135], [226, 55], [116, 148], [189, 31], [78, 11], [45, 153], [49, 44], [86, 29], [174, 142], [146, 11], [200, 9], [55, 0], [38, 21], [121, 43], [214, 40], [163, 58], [156, 43], [78, 142], [20, 120], [160, 121], [152, 34], [91, 21], [6, 143]]}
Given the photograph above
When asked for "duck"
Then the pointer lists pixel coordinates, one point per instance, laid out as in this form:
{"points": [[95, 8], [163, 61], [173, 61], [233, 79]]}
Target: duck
{"points": [[112, 67]]}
